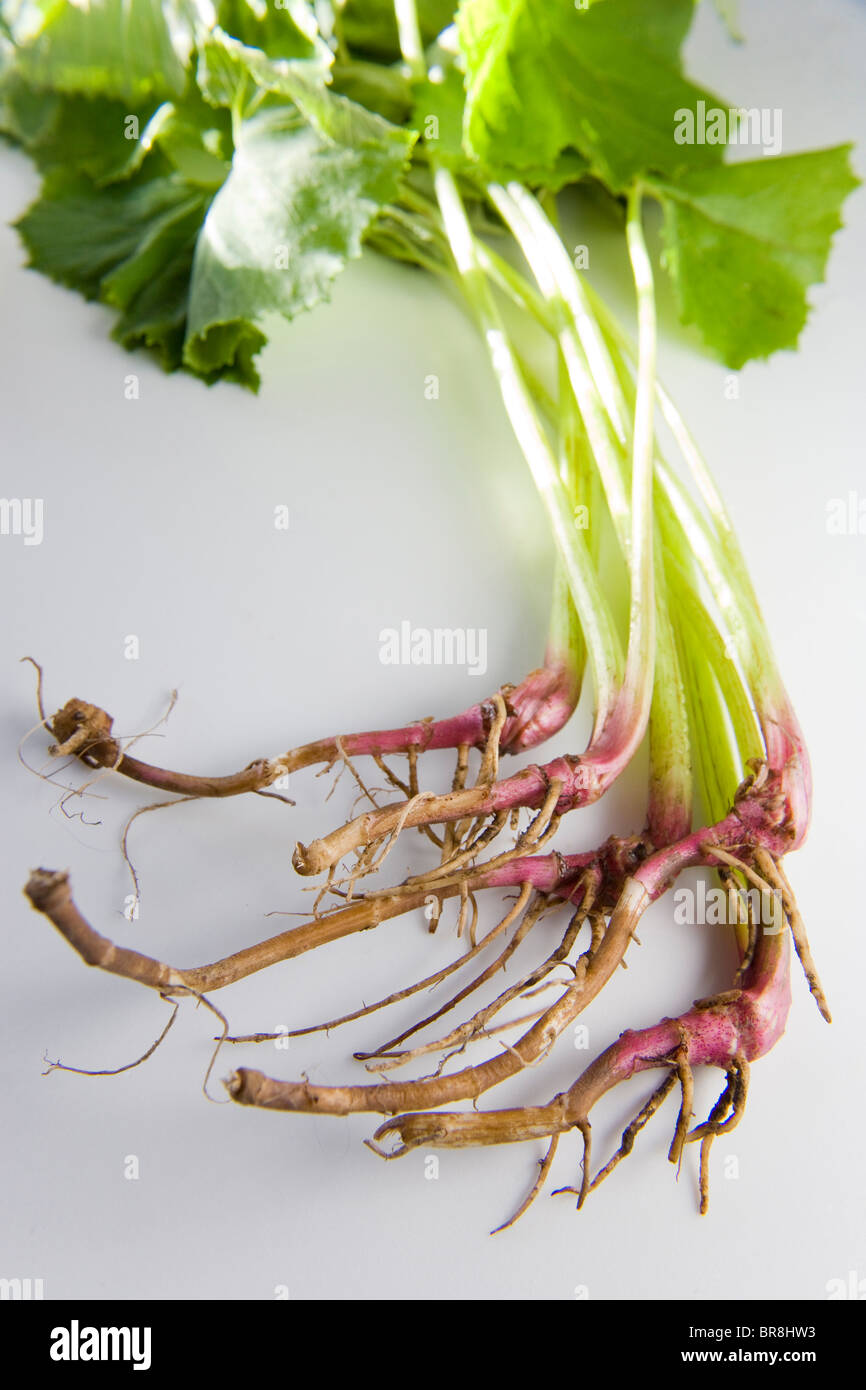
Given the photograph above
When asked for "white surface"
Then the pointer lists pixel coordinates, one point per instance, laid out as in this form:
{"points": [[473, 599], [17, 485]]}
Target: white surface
{"points": [[158, 523]]}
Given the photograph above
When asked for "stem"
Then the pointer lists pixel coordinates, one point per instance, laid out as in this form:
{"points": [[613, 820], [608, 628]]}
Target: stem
{"points": [[599, 400], [640, 662], [542, 248], [599, 633], [409, 32], [572, 311], [728, 574], [669, 807]]}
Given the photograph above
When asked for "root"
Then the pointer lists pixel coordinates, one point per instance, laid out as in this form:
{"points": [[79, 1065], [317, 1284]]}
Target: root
{"points": [[124, 838], [684, 1119], [128, 1066], [524, 716], [49, 893], [489, 769], [169, 997], [476, 1027], [776, 874], [530, 917], [727, 1035], [429, 982], [450, 839], [409, 789], [347, 762], [772, 880], [630, 1133], [733, 1097], [536, 836], [474, 842], [201, 999], [249, 1087], [528, 788], [544, 1167], [39, 681], [581, 1192], [471, 848]]}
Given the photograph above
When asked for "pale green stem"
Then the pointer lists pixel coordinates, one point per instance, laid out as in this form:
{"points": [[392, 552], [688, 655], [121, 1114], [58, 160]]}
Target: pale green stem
{"points": [[640, 659], [708, 725], [537, 240], [669, 809], [409, 32], [573, 291], [742, 610], [721, 558], [565, 311], [682, 585], [599, 632]]}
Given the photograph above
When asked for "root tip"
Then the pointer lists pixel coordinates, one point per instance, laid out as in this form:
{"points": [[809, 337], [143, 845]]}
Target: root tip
{"points": [[233, 1084], [43, 884], [300, 859]]}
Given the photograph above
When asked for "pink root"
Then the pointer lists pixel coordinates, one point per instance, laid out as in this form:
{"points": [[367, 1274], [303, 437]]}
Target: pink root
{"points": [[536, 709]]}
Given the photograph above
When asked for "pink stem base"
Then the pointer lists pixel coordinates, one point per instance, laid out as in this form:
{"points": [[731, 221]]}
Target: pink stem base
{"points": [[537, 709]]}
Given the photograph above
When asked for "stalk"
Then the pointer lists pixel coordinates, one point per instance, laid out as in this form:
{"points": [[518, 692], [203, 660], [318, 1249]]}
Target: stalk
{"points": [[540, 245], [621, 714], [602, 409], [409, 32], [601, 640]]}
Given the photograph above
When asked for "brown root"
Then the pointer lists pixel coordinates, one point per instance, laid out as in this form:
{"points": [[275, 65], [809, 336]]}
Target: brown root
{"points": [[733, 1098], [476, 1027], [50, 894], [530, 917], [632, 1130], [249, 1087], [128, 1066], [773, 871], [544, 1167]]}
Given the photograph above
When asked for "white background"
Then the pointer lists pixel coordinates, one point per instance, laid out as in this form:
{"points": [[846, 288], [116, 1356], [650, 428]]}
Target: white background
{"points": [[158, 522]]}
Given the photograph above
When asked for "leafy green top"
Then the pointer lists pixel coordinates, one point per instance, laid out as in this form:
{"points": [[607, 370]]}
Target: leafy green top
{"points": [[207, 166]]}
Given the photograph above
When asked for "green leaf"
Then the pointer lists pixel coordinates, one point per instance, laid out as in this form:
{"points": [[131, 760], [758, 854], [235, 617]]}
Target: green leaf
{"points": [[743, 242], [194, 138], [250, 52], [369, 26], [92, 135], [130, 245], [127, 49], [385, 90], [280, 28], [85, 135], [231, 74], [106, 141], [545, 76], [438, 115], [26, 115], [293, 211]]}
